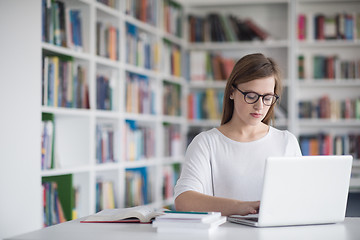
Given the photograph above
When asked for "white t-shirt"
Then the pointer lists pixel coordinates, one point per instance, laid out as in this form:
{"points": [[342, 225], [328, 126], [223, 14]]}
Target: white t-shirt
{"points": [[216, 165]]}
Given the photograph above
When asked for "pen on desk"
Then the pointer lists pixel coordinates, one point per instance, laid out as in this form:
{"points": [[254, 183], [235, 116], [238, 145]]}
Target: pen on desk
{"points": [[184, 212]]}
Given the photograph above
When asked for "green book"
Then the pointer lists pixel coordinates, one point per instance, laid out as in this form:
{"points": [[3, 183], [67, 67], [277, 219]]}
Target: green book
{"points": [[65, 192]]}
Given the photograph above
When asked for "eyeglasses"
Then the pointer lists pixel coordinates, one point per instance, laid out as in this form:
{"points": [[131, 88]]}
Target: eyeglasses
{"points": [[253, 97]]}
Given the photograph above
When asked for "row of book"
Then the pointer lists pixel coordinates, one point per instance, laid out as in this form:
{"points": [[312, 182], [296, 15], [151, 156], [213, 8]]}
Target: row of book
{"points": [[173, 13], [172, 140], [329, 26], [172, 59], [171, 174], [106, 139], [47, 141], [64, 83], [330, 144], [53, 211], [61, 25], [142, 49], [143, 10], [205, 104], [209, 66], [104, 92], [220, 28], [107, 40], [329, 67], [105, 195], [330, 108], [140, 94], [172, 99], [139, 141], [137, 187], [109, 3], [60, 199]]}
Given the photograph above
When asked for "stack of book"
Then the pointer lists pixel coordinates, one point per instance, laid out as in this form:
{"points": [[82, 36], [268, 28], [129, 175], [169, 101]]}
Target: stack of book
{"points": [[188, 222]]}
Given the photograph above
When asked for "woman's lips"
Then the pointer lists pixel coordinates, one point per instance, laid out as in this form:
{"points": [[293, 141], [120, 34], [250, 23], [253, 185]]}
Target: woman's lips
{"points": [[256, 115]]}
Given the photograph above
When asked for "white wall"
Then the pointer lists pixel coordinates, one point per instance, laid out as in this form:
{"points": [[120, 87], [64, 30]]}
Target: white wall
{"points": [[20, 116]]}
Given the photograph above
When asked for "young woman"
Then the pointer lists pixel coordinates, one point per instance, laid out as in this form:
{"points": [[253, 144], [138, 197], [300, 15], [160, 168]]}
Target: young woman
{"points": [[224, 167]]}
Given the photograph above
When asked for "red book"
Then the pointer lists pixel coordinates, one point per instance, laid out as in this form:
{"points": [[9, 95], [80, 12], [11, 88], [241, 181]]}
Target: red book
{"points": [[301, 27]]}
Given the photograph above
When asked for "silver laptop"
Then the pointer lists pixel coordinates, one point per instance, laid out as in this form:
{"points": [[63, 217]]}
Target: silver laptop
{"points": [[302, 190]]}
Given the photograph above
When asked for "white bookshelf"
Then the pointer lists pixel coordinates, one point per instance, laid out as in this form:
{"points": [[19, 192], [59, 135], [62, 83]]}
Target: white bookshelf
{"points": [[338, 88], [76, 128], [285, 47]]}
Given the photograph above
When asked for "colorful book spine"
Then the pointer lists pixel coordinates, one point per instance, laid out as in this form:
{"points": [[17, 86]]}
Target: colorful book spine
{"points": [[330, 144], [107, 40], [172, 59], [170, 175], [106, 137], [209, 66], [172, 17], [104, 92], [139, 141], [171, 99], [172, 140], [329, 67], [326, 108], [47, 141], [58, 199], [64, 83], [62, 26], [205, 104], [302, 28], [142, 48], [143, 10], [140, 94], [218, 28], [137, 187], [335, 26], [109, 3], [105, 195]]}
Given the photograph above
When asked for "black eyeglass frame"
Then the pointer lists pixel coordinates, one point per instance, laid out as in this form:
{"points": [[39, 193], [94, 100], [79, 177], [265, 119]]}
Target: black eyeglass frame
{"points": [[258, 96]]}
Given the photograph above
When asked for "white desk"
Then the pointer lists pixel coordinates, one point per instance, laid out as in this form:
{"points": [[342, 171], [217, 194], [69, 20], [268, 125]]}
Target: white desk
{"points": [[350, 229]]}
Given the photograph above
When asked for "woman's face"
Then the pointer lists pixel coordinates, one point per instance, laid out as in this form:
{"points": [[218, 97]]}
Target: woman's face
{"points": [[252, 114]]}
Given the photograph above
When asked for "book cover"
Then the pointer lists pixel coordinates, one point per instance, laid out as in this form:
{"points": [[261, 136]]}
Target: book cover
{"points": [[65, 192], [139, 214]]}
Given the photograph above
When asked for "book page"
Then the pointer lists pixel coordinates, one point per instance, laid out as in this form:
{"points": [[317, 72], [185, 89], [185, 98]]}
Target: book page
{"points": [[143, 213]]}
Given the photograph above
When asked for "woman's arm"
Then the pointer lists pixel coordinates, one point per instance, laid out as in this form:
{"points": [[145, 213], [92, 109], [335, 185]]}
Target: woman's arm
{"points": [[195, 201]]}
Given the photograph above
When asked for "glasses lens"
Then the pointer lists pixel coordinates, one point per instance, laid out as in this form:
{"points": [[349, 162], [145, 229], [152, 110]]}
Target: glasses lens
{"points": [[269, 100], [251, 97]]}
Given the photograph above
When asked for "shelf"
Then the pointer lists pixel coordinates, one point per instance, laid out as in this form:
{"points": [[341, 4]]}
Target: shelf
{"points": [[339, 123], [208, 84], [62, 171], [61, 111], [65, 51], [140, 163], [239, 45], [108, 10], [204, 123], [329, 83], [329, 43]]}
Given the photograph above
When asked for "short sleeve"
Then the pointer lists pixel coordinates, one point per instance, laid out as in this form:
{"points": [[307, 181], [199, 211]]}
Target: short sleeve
{"points": [[196, 170]]}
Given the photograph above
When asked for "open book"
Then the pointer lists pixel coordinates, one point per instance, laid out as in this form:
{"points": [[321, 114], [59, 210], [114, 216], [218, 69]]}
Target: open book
{"points": [[140, 214]]}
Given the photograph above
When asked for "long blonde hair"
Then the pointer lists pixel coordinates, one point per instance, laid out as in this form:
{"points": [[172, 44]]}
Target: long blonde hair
{"points": [[248, 68]]}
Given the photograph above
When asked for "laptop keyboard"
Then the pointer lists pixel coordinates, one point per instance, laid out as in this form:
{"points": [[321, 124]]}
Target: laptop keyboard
{"points": [[252, 219]]}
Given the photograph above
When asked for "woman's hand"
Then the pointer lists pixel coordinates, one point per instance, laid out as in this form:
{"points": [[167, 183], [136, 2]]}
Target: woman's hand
{"points": [[194, 201]]}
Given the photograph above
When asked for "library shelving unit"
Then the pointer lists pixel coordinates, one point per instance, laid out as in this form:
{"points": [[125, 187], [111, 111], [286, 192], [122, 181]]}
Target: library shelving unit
{"points": [[209, 48], [128, 85], [301, 54], [113, 118], [327, 63]]}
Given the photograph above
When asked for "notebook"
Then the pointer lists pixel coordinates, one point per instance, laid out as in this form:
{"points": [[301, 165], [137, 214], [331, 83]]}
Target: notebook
{"points": [[302, 190]]}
